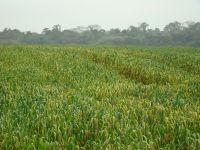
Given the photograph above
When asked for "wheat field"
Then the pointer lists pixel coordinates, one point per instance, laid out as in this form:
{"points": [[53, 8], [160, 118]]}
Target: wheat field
{"points": [[99, 97]]}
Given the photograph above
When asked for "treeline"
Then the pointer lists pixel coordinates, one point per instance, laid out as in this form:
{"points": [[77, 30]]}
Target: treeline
{"points": [[174, 33]]}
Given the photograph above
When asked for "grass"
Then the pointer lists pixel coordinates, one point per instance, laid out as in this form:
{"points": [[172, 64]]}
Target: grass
{"points": [[99, 97]]}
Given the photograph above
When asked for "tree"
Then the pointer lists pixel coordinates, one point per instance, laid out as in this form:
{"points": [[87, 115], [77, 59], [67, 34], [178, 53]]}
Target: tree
{"points": [[32, 38], [94, 27], [115, 31], [143, 26], [174, 27], [56, 28], [132, 29], [46, 31]]}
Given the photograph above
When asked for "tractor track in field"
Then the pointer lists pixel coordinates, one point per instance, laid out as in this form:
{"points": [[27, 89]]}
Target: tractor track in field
{"points": [[125, 71]]}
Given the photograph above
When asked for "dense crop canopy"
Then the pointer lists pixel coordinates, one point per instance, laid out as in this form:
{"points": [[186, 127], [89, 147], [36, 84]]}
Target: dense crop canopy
{"points": [[99, 97]]}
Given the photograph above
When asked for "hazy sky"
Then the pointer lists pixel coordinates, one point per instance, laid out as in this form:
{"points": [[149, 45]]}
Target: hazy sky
{"points": [[35, 15]]}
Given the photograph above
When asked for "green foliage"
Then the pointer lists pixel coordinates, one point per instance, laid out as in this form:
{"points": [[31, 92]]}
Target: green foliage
{"points": [[87, 97], [174, 33]]}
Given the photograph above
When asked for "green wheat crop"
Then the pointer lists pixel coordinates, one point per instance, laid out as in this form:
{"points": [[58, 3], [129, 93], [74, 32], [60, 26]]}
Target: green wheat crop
{"points": [[92, 97]]}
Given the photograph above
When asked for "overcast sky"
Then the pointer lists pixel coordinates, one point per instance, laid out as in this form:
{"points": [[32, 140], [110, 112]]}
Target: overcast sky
{"points": [[35, 15]]}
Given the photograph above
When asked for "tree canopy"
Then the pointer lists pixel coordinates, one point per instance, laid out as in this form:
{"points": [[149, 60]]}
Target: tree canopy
{"points": [[174, 33]]}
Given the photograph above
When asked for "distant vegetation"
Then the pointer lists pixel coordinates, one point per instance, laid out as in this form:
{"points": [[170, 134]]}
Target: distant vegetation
{"points": [[175, 33], [99, 97]]}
